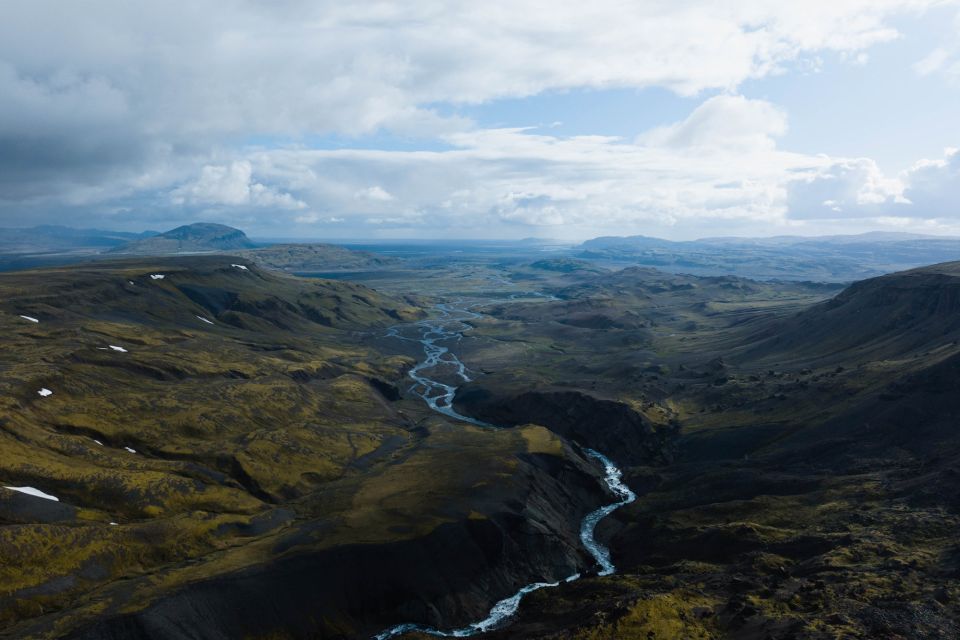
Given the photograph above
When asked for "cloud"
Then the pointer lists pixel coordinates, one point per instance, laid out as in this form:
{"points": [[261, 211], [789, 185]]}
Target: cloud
{"points": [[95, 92], [929, 190], [232, 185], [494, 180], [375, 193], [934, 61], [942, 60], [160, 110], [933, 186], [724, 121], [846, 188]]}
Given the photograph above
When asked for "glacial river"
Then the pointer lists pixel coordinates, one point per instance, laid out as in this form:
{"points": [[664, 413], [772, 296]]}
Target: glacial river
{"points": [[434, 335]]}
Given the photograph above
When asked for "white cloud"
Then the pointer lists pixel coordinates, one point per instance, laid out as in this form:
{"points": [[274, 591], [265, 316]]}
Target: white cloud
{"points": [[314, 218], [183, 69], [499, 178], [933, 62], [107, 100], [929, 190], [853, 188], [943, 60], [725, 121], [232, 185], [933, 186], [376, 193]]}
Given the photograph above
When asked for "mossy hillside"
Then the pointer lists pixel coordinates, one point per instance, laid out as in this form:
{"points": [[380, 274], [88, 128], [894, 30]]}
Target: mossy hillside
{"points": [[810, 496], [455, 474], [224, 422], [259, 436]]}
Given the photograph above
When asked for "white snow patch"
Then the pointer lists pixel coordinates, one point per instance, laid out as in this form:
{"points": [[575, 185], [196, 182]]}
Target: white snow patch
{"points": [[30, 491], [157, 276], [240, 266], [45, 392], [113, 524], [204, 319], [131, 283], [116, 348], [130, 450], [97, 441], [30, 318]]}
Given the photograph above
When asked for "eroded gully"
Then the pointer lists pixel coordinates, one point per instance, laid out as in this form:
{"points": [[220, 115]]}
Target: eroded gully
{"points": [[434, 335]]}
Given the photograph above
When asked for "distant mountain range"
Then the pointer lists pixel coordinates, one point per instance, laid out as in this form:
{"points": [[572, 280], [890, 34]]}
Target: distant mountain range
{"points": [[55, 238], [821, 259], [827, 258]]}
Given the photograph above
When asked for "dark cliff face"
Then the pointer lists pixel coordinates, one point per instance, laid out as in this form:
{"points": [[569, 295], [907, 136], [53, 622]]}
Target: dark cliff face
{"points": [[606, 425], [447, 578]]}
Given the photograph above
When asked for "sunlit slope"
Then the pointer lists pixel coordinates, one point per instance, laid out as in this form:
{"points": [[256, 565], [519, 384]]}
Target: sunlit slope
{"points": [[222, 420]]}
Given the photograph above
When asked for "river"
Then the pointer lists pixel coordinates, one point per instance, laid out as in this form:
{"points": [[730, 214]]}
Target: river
{"points": [[448, 327]]}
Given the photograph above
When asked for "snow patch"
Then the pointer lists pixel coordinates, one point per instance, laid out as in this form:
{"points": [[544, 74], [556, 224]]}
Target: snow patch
{"points": [[157, 276], [130, 450], [97, 441], [30, 491], [30, 318], [204, 319], [240, 266], [116, 348], [45, 392], [113, 524]]}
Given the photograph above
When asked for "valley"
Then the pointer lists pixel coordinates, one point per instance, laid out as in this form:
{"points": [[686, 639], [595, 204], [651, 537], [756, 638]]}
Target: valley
{"points": [[245, 452], [494, 320]]}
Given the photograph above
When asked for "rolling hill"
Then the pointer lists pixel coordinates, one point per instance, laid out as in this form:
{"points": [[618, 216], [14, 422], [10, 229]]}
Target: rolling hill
{"points": [[199, 443]]}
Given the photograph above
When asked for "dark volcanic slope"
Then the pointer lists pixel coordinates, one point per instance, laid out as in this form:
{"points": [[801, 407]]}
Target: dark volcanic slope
{"points": [[889, 316], [232, 458], [813, 488]]}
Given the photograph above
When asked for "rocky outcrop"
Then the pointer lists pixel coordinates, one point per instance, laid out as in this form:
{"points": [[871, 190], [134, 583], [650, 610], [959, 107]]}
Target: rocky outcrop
{"points": [[609, 426], [448, 578]]}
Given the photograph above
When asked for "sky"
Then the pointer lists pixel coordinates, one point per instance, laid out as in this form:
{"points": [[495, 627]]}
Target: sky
{"points": [[473, 120]]}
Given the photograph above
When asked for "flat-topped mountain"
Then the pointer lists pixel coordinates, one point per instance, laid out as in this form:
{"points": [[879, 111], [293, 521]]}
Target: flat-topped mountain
{"points": [[312, 257], [190, 238]]}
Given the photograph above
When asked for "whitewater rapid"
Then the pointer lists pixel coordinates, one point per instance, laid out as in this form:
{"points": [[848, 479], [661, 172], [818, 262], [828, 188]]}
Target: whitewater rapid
{"points": [[450, 326]]}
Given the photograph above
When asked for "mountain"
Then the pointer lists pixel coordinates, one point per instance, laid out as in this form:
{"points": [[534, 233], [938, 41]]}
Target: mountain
{"points": [[192, 238], [316, 257], [869, 237], [891, 316], [824, 259], [54, 238]]}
